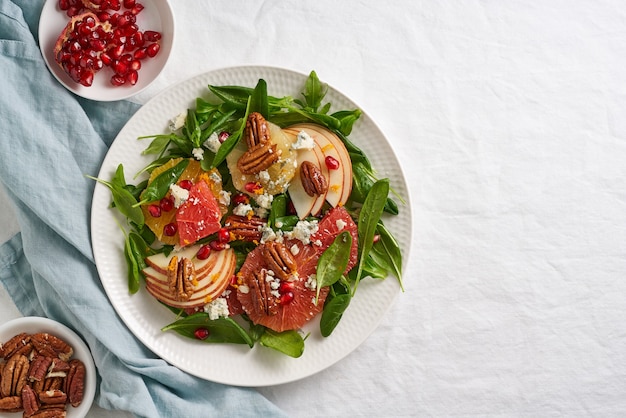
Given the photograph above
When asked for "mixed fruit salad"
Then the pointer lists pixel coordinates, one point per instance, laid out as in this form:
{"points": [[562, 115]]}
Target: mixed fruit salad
{"points": [[257, 215]]}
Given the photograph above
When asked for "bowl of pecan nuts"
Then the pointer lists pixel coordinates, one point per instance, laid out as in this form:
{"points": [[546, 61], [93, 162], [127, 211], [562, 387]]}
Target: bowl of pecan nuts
{"points": [[46, 370]]}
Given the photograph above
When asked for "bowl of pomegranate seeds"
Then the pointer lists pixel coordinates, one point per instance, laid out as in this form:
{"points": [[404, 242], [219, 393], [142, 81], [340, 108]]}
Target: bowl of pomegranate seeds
{"points": [[106, 49]]}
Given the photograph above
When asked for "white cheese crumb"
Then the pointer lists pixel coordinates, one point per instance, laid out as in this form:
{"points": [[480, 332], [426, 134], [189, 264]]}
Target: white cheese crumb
{"points": [[261, 212], [179, 194], [268, 234], [303, 231], [217, 308], [244, 289], [224, 197], [311, 282], [264, 200], [303, 141], [198, 153], [341, 224], [178, 122], [213, 142], [242, 209], [264, 176], [215, 177], [294, 249]]}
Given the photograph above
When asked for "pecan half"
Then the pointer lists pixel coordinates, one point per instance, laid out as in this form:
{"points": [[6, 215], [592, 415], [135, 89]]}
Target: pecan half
{"points": [[75, 382], [49, 383], [180, 274], [244, 228], [257, 131], [53, 397], [261, 288], [29, 401], [313, 181], [258, 158], [279, 259], [11, 403], [39, 368], [58, 367], [55, 412], [14, 376], [15, 344], [51, 346]]}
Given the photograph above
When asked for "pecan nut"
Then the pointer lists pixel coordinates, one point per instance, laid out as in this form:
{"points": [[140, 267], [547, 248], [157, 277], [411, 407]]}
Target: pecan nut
{"points": [[245, 228], [55, 412], [180, 274], [29, 401], [313, 181], [39, 368], [15, 344], [257, 131], [258, 158], [11, 403], [51, 346], [14, 376], [53, 397], [75, 382], [279, 259], [260, 286]]}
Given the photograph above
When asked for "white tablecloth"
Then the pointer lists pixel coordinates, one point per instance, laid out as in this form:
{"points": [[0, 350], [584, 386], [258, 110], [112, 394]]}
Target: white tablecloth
{"points": [[509, 120]]}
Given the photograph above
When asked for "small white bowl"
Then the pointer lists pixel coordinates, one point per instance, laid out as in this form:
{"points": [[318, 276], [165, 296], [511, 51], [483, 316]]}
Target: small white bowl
{"points": [[157, 15], [34, 324]]}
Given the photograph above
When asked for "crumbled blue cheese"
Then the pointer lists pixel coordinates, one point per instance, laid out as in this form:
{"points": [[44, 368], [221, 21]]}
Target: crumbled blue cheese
{"points": [[215, 177], [242, 209], [224, 197], [264, 200], [261, 212], [243, 289], [295, 250], [264, 176], [268, 234], [311, 282], [303, 231], [303, 141], [178, 122], [341, 224], [217, 308], [198, 153], [213, 142], [179, 194]]}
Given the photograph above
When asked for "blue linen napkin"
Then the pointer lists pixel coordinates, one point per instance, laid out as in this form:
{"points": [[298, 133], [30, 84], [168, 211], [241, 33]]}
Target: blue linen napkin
{"points": [[50, 140]]}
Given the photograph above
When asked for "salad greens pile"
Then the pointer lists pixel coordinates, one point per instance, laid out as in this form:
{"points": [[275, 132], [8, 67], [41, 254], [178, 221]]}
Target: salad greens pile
{"points": [[226, 109]]}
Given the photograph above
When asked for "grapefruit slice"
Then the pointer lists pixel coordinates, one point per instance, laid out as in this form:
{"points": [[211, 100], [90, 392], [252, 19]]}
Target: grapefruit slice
{"points": [[199, 216], [302, 308], [209, 285], [335, 221]]}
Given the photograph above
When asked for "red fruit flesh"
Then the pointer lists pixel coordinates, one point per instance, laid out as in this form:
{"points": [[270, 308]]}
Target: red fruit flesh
{"points": [[199, 216]]}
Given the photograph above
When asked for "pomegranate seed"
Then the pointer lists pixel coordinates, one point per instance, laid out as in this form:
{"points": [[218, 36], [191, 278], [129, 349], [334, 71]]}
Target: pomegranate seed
{"points": [[132, 77], [286, 298], [155, 210], [152, 36], [114, 4], [166, 204], [241, 199], [135, 65], [253, 187], [331, 162], [201, 333], [104, 16], [117, 51], [153, 49], [140, 54], [137, 9], [131, 29], [223, 235], [170, 229], [86, 79], [120, 67], [233, 280], [113, 19], [64, 4], [376, 238], [97, 45], [118, 80], [75, 46], [217, 246], [203, 253], [106, 59], [223, 136], [186, 184], [137, 39], [286, 287], [73, 11], [129, 4]]}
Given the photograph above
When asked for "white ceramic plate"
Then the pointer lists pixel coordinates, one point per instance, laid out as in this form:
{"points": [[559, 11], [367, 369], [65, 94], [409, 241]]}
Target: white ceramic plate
{"points": [[34, 324], [227, 363], [157, 15]]}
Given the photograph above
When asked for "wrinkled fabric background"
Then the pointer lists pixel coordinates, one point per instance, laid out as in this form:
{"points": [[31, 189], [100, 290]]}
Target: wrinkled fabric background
{"points": [[508, 118]]}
